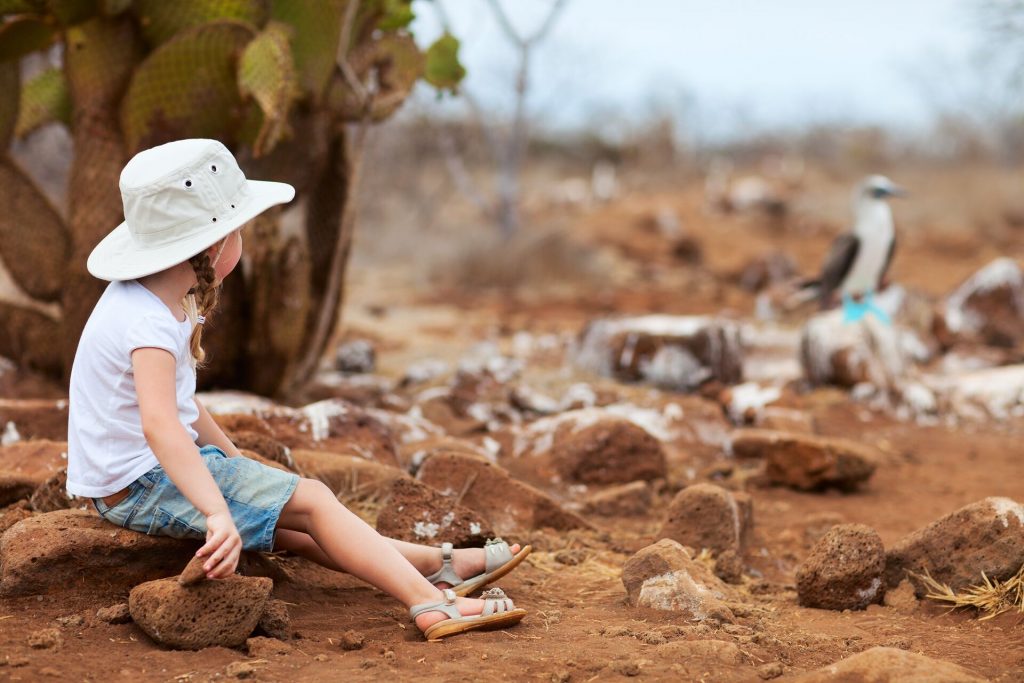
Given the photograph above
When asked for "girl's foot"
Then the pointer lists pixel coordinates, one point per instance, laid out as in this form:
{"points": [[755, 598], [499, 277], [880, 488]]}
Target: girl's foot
{"points": [[466, 562], [468, 607]]}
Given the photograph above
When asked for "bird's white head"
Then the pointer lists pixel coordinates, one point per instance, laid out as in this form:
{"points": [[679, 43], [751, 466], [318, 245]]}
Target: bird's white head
{"points": [[879, 187]]}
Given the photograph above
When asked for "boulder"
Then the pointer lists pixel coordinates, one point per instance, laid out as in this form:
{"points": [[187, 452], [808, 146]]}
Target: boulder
{"points": [[275, 621], [589, 446], [337, 426], [987, 308], [673, 352], [833, 351], [210, 613], [887, 665], [509, 504], [266, 446], [57, 551], [414, 453], [26, 465], [34, 418], [349, 476], [983, 537], [53, 494], [418, 513], [664, 576], [807, 462], [625, 500], [12, 514], [708, 516], [845, 570]]}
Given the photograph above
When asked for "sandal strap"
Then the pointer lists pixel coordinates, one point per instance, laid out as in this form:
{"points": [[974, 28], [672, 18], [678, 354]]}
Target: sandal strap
{"points": [[447, 606], [496, 602], [496, 553], [447, 572]]}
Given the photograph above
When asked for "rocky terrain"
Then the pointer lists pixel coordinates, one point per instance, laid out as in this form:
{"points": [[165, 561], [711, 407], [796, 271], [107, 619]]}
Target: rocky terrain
{"points": [[716, 487]]}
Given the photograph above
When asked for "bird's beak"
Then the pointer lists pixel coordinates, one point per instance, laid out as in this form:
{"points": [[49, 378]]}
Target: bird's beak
{"points": [[896, 191]]}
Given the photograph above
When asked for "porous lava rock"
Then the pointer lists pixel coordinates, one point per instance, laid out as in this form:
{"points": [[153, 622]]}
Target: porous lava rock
{"points": [[68, 548], [674, 352], [267, 446], [53, 494], [987, 308], [419, 513], [275, 621], [26, 465], [844, 570], [589, 446], [984, 537], [12, 514], [806, 462], [625, 500], [888, 665], [510, 505], [664, 576], [223, 612], [707, 516], [348, 475]]}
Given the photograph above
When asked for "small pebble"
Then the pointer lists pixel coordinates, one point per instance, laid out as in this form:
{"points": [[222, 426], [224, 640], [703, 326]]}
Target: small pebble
{"points": [[352, 640], [115, 614], [769, 671], [45, 639], [71, 620]]}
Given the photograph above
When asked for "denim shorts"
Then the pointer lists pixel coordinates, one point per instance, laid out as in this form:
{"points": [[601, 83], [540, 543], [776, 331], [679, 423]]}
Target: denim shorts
{"points": [[255, 495]]}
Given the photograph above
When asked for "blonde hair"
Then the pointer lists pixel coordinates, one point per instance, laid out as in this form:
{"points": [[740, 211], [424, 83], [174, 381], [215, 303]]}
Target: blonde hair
{"points": [[202, 299]]}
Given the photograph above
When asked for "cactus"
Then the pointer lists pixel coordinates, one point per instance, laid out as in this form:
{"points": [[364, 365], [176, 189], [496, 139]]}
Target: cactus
{"points": [[260, 75]]}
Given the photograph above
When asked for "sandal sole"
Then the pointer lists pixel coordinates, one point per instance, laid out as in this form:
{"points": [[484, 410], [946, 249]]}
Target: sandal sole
{"points": [[445, 628], [467, 587]]}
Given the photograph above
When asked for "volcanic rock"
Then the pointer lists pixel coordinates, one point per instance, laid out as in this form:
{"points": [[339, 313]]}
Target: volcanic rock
{"points": [[211, 613], [987, 308], [35, 418], [708, 516], [833, 351], [418, 513], [348, 476], [885, 664], [509, 504], [275, 621], [590, 446], [625, 500], [266, 446], [60, 550], [12, 514], [26, 465], [664, 576], [986, 537], [115, 614], [674, 352], [806, 462], [53, 494], [844, 570]]}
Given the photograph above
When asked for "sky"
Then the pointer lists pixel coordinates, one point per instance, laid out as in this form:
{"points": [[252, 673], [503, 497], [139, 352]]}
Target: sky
{"points": [[770, 63]]}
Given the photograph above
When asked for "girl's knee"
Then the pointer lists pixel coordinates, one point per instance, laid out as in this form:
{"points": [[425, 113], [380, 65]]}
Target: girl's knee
{"points": [[310, 492]]}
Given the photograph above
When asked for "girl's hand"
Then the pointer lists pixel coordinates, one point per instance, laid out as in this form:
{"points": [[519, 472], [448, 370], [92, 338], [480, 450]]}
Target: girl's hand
{"points": [[223, 545]]}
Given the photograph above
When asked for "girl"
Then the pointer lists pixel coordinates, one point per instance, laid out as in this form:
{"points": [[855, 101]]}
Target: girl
{"points": [[146, 451]]}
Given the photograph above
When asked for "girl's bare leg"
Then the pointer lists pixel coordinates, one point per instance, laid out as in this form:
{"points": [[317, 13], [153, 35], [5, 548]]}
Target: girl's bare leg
{"points": [[352, 545]]}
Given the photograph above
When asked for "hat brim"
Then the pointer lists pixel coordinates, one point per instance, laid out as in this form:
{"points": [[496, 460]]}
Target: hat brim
{"points": [[118, 257]]}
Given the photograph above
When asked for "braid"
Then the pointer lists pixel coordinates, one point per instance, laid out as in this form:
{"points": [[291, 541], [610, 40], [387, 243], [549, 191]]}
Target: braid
{"points": [[204, 298]]}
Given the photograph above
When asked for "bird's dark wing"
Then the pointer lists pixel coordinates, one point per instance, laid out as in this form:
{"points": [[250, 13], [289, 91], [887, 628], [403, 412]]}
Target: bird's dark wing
{"points": [[840, 259], [882, 281]]}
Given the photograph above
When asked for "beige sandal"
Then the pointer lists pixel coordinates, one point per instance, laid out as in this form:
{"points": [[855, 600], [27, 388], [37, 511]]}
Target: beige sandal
{"points": [[499, 561], [498, 612]]}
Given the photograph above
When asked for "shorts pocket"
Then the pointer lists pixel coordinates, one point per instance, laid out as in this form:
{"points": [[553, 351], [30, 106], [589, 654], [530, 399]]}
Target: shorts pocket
{"points": [[121, 513], [166, 524]]}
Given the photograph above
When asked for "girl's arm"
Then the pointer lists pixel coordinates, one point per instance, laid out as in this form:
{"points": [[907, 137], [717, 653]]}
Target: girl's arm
{"points": [[179, 455], [210, 433]]}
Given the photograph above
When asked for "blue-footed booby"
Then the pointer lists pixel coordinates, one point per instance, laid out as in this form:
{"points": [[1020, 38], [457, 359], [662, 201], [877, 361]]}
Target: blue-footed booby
{"points": [[858, 260]]}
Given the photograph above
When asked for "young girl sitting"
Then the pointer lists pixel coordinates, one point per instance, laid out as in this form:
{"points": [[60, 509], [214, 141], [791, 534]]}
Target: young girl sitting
{"points": [[142, 446]]}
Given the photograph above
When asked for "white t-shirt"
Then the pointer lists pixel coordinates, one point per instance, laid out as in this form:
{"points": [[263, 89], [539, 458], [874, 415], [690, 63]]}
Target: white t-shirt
{"points": [[106, 447]]}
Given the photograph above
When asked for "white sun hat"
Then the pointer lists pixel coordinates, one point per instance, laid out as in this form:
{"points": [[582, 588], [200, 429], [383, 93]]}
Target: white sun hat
{"points": [[179, 199]]}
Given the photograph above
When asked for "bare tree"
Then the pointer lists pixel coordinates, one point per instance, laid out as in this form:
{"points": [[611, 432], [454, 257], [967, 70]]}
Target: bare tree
{"points": [[509, 150]]}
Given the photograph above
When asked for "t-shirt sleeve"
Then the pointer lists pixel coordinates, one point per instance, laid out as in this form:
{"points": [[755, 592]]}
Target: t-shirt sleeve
{"points": [[153, 332]]}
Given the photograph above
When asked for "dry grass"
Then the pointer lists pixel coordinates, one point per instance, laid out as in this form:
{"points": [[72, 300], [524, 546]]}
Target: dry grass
{"points": [[989, 597]]}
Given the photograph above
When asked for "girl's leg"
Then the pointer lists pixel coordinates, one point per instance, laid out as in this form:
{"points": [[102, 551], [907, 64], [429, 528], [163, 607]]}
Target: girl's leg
{"points": [[351, 544], [426, 559]]}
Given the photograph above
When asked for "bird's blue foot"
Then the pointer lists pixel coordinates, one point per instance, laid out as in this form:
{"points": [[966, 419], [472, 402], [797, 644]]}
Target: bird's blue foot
{"points": [[854, 311]]}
